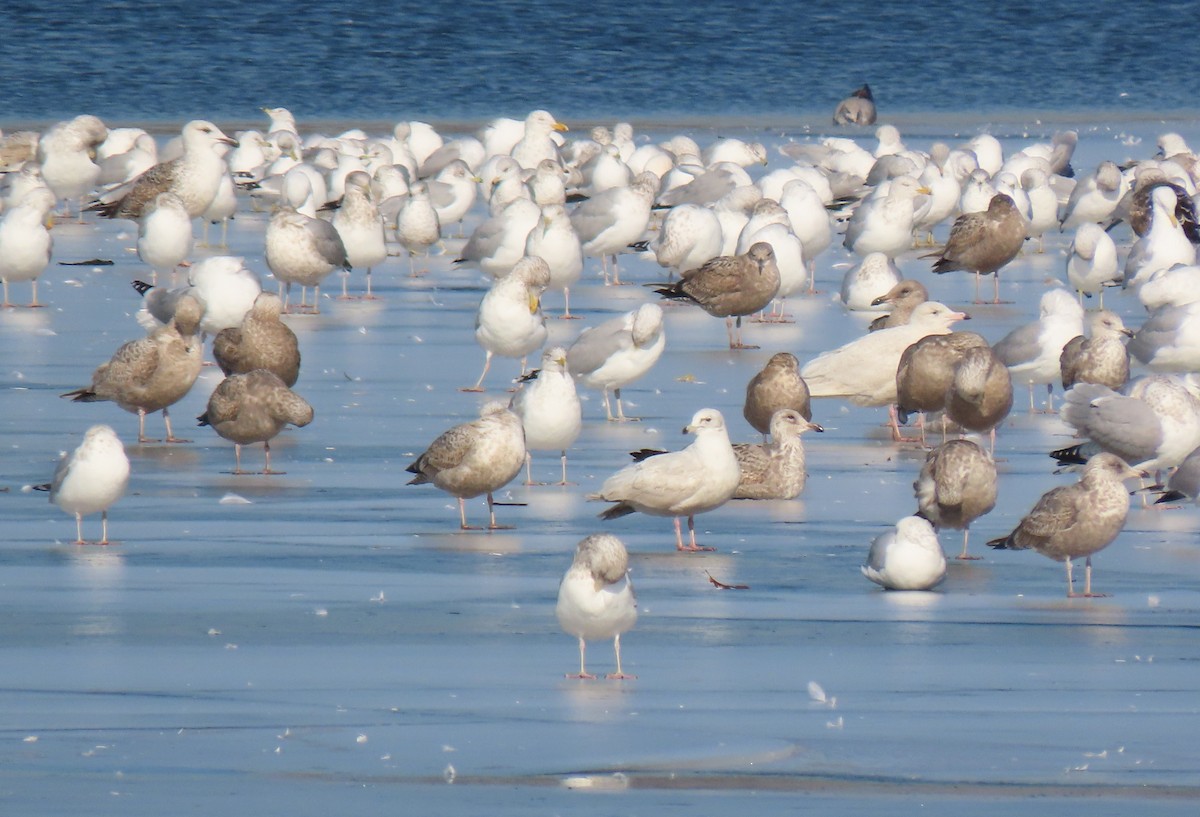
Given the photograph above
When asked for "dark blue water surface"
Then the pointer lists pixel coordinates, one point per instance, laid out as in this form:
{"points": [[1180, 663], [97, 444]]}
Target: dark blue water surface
{"points": [[669, 59]]}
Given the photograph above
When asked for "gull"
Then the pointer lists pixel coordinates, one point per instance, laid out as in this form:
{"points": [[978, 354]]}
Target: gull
{"points": [[14, 186], [1101, 358], [537, 145], [956, 486], [453, 192], [730, 286], [498, 243], [164, 234], [194, 177], [903, 298], [263, 341], [609, 222], [868, 285], [884, 222], [1032, 351], [775, 470], [223, 283], [690, 236], [863, 371], [153, 372], [1043, 204], [945, 190], [809, 220], [254, 407], [700, 478], [1164, 244], [789, 260], [926, 371], [778, 385], [509, 321], [554, 241], [549, 410], [25, 242], [1169, 340], [617, 352], [222, 209], [596, 599], [417, 224], [1177, 286], [980, 394], [984, 242], [122, 160], [302, 250], [360, 227], [1077, 520], [856, 109], [91, 478], [66, 152], [1184, 482], [1094, 197], [906, 557], [474, 458], [1092, 261]]}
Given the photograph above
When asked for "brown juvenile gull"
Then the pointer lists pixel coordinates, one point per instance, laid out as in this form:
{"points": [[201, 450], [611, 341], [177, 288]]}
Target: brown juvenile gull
{"points": [[1102, 358], [980, 394], [904, 298], [778, 386], [984, 242], [303, 250], [263, 341], [856, 109], [699, 478], [1077, 520], [251, 408], [474, 458], [91, 478], [864, 370], [957, 485], [194, 177], [153, 372], [775, 470], [926, 370], [729, 286], [595, 598]]}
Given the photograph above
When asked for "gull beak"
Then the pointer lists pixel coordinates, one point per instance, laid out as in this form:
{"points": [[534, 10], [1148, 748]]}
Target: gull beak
{"points": [[923, 190], [560, 127], [534, 303], [961, 316], [561, 361], [1174, 221], [814, 427], [882, 299], [1127, 333], [477, 180]]}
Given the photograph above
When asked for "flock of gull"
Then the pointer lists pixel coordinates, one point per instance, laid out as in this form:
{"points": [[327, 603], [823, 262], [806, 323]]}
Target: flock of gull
{"points": [[731, 237]]}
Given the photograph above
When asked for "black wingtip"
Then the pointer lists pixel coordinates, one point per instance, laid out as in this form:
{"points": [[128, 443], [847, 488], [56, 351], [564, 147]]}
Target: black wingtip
{"points": [[45, 486], [142, 287], [1072, 455], [1170, 496], [999, 544], [645, 453]]}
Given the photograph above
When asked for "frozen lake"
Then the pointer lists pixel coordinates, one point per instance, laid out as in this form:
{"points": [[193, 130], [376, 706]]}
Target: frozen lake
{"points": [[335, 639]]}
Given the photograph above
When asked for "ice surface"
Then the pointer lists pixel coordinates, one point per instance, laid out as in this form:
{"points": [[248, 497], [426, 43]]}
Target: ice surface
{"points": [[334, 642]]}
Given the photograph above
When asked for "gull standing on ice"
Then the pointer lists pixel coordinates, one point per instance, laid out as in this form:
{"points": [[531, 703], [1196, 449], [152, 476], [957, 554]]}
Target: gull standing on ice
{"points": [[775, 470], [91, 478], [1092, 261], [701, 477], [617, 352], [66, 153], [251, 408], [549, 410], [1077, 520], [907, 557], [609, 222], [1032, 352], [360, 227], [509, 321], [595, 598], [957, 485], [474, 458], [984, 242], [164, 234], [303, 250], [25, 243], [263, 341], [1101, 358], [554, 241], [417, 224]]}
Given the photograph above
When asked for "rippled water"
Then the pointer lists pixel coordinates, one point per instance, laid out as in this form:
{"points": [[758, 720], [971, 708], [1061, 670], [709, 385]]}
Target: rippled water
{"points": [[672, 59]]}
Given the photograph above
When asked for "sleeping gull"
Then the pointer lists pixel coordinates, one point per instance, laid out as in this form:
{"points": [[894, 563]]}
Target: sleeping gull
{"points": [[983, 243], [1174, 287], [595, 598], [778, 385], [884, 222], [1094, 197], [775, 470], [360, 227], [903, 298], [957, 485], [1101, 358], [1032, 351], [699, 478], [863, 371], [729, 286], [926, 371], [690, 236], [25, 243], [91, 478], [417, 224], [263, 341], [474, 458], [509, 321], [252, 408], [980, 395], [223, 283], [164, 234], [65, 152], [194, 177], [907, 557], [856, 109], [1077, 520], [554, 241], [153, 372], [1092, 261], [549, 410], [617, 352], [609, 222], [302, 250]]}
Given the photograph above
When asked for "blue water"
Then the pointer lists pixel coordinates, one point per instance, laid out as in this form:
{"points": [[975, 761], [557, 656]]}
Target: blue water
{"points": [[670, 59]]}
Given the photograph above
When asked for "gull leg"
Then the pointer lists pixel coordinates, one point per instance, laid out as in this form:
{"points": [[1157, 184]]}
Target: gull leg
{"points": [[618, 675], [607, 407], [1087, 581], [564, 470], [103, 527], [963, 555], [317, 300], [79, 529], [6, 304], [678, 536], [237, 458], [462, 514], [487, 363], [267, 450], [583, 673], [34, 304], [529, 469], [894, 422], [142, 438], [1070, 583], [693, 547], [171, 438], [491, 503]]}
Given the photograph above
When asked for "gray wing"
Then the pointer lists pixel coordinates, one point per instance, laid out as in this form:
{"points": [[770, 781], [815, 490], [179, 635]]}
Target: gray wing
{"points": [[1185, 480], [328, 242], [60, 474], [596, 345], [703, 190], [484, 241], [1020, 345], [1124, 426], [1159, 330], [594, 216]]}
